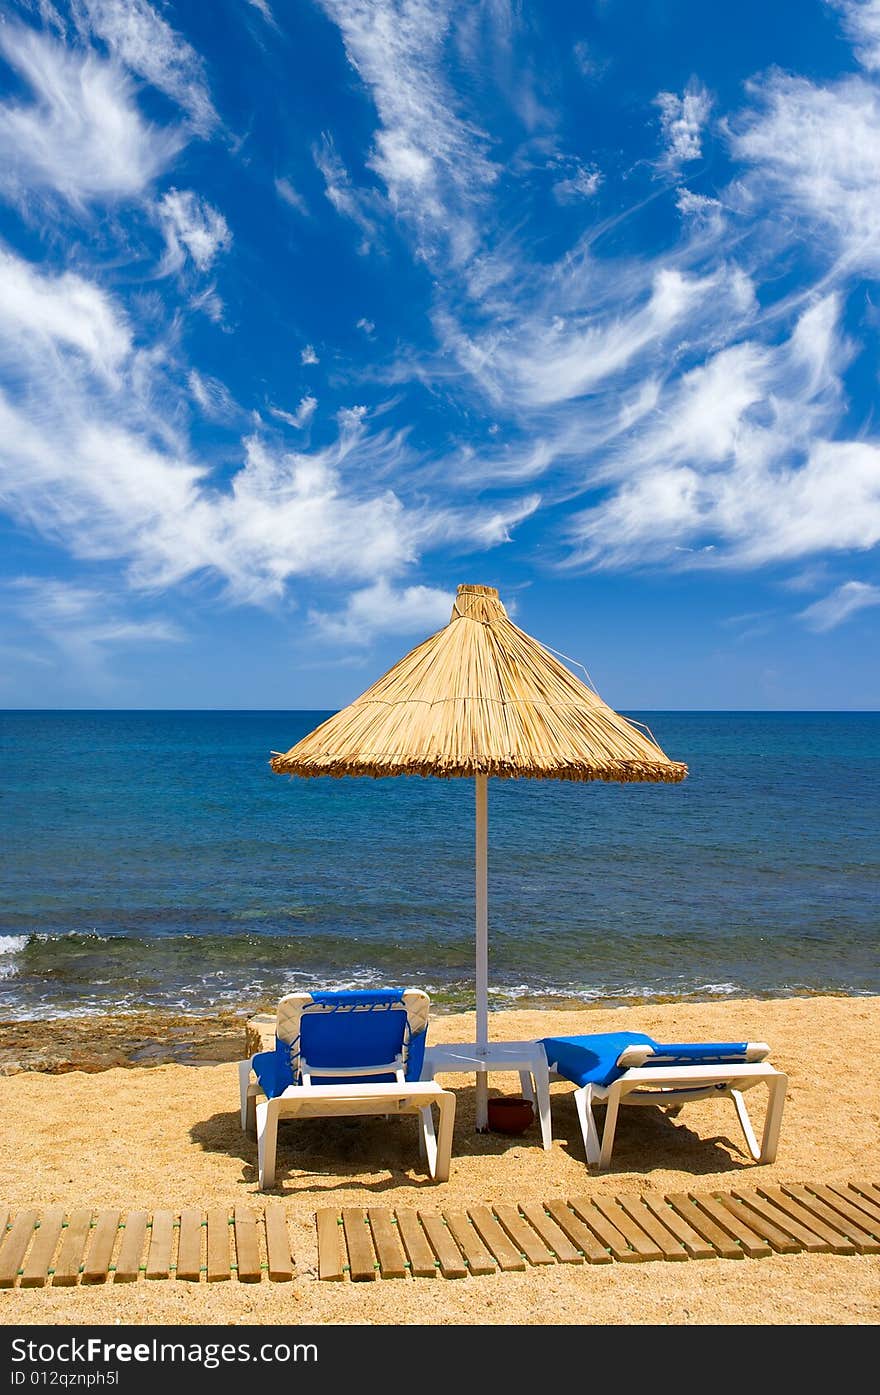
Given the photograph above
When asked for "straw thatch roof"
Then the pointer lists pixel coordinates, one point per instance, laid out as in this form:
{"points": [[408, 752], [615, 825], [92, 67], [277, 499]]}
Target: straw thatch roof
{"points": [[480, 697]]}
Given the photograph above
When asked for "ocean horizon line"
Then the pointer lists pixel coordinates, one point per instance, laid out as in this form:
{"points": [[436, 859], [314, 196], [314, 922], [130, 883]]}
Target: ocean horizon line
{"points": [[632, 707]]}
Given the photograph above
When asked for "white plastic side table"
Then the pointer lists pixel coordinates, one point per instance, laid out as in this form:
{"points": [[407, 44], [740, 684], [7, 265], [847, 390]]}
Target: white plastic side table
{"points": [[527, 1058]]}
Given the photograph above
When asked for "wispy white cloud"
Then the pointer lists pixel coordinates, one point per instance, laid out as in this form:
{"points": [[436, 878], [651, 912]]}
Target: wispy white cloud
{"points": [[846, 601], [191, 225], [206, 301], [733, 466], [64, 311], [301, 417], [262, 6], [383, 609], [212, 396], [814, 153], [682, 120], [431, 158], [697, 205], [590, 63], [861, 24], [579, 182], [141, 39], [82, 136], [559, 350], [286, 191], [95, 462], [82, 625], [360, 205], [308, 355]]}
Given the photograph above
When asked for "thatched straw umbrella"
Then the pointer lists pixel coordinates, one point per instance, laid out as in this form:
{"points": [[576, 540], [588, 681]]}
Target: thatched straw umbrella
{"points": [[479, 698]]}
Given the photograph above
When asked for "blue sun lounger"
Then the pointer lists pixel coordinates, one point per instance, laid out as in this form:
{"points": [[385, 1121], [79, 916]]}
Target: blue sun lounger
{"points": [[342, 1053], [616, 1068]]}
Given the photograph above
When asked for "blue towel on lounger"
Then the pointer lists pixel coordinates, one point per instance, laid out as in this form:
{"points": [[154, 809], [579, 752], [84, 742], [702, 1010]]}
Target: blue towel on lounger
{"points": [[592, 1059]]}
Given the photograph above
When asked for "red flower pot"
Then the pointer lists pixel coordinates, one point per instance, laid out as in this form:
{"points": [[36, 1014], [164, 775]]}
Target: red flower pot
{"points": [[510, 1114]]}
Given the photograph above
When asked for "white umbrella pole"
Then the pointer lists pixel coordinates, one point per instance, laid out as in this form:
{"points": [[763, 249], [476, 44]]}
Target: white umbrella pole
{"points": [[482, 939]]}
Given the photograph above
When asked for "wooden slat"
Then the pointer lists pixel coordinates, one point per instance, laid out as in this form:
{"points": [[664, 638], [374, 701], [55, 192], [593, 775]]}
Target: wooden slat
{"points": [[860, 1228], [189, 1245], [702, 1224], [218, 1264], [863, 1242], [523, 1236], [330, 1261], [361, 1258], [278, 1251], [452, 1266], [39, 1260], [641, 1244], [503, 1251], [869, 1189], [836, 1241], [247, 1246], [389, 1251], [478, 1258], [777, 1238], [861, 1204], [73, 1244], [866, 1192], [422, 1262], [751, 1242], [554, 1238], [579, 1234], [131, 1247], [669, 1247], [4, 1217], [104, 1233], [611, 1238], [15, 1245], [807, 1239], [161, 1240], [696, 1245]]}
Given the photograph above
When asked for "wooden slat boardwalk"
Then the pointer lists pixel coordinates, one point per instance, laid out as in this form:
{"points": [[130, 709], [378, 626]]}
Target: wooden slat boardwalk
{"points": [[746, 1223], [58, 1247]]}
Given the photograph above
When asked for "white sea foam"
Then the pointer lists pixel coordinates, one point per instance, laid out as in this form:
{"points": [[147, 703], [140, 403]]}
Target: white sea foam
{"points": [[12, 944]]}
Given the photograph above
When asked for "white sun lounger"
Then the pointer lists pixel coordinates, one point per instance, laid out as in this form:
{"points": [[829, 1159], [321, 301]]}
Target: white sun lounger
{"points": [[623, 1068], [346, 1053]]}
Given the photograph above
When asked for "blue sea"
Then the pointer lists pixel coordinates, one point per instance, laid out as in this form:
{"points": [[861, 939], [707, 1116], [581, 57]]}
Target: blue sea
{"points": [[153, 860]]}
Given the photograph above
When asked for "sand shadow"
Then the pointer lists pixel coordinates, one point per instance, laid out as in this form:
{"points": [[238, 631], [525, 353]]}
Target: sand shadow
{"points": [[331, 1154], [651, 1139], [371, 1154]]}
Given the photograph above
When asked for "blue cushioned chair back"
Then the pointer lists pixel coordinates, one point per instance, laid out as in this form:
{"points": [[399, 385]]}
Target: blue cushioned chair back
{"points": [[345, 1028]]}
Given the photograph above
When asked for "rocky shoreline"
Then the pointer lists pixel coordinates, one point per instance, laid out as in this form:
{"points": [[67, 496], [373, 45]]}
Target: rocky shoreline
{"points": [[95, 1043]]}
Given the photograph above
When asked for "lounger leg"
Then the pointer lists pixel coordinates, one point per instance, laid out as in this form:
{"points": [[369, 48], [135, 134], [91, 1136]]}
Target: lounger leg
{"points": [[525, 1084], [583, 1099], [446, 1106], [541, 1074], [428, 1138], [609, 1129], [746, 1123], [482, 1096], [267, 1139], [777, 1087], [247, 1094]]}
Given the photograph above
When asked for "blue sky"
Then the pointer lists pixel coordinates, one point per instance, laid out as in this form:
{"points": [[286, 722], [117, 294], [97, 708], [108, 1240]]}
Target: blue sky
{"points": [[312, 309]]}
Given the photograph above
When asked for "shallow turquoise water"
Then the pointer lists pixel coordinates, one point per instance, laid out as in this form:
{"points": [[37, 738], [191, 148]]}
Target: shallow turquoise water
{"points": [[152, 858]]}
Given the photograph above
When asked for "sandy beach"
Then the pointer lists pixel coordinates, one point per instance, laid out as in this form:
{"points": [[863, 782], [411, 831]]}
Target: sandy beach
{"points": [[168, 1135]]}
